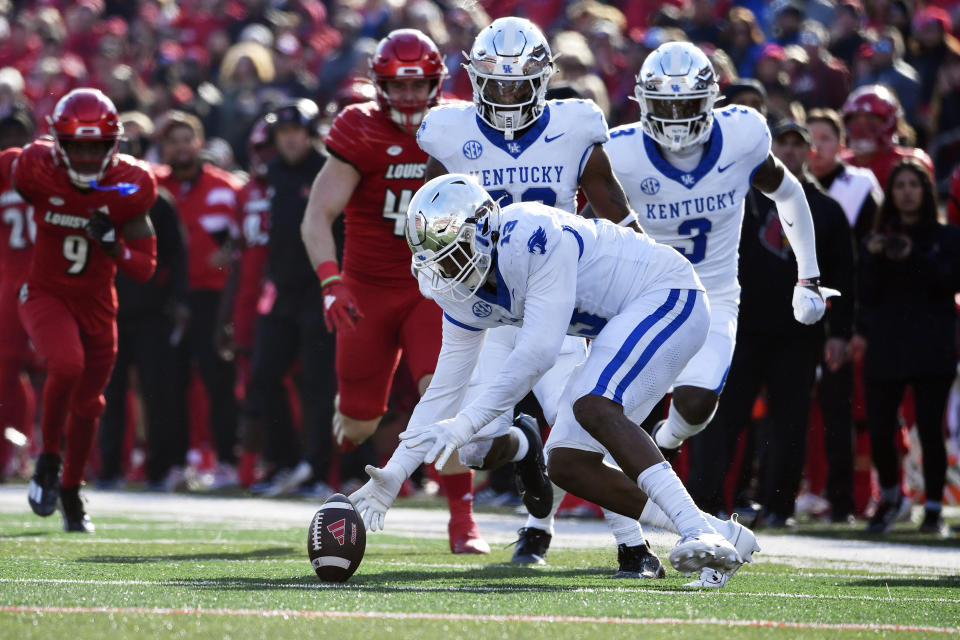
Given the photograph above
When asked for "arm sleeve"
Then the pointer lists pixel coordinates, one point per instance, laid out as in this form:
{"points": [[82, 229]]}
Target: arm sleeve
{"points": [[549, 304], [797, 221], [459, 353], [138, 258]]}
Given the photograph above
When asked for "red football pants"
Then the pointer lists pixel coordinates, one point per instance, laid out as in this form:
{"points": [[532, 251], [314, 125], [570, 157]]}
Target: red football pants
{"points": [[79, 348], [16, 397]]}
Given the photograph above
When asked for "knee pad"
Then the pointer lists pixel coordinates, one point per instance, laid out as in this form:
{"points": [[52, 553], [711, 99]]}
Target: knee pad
{"points": [[474, 453]]}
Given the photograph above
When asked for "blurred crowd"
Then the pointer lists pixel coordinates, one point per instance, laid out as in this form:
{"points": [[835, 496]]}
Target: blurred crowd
{"points": [[196, 82]]}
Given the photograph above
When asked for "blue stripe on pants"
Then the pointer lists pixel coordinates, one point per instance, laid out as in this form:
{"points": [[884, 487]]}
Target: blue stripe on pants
{"points": [[635, 336], [655, 344]]}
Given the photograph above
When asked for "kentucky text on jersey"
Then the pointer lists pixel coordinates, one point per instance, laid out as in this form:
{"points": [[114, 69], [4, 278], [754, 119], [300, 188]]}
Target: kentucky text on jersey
{"points": [[535, 174], [406, 171], [65, 220], [715, 202]]}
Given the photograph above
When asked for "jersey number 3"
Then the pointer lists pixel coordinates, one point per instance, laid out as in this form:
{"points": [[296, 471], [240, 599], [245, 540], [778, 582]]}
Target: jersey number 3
{"points": [[697, 229]]}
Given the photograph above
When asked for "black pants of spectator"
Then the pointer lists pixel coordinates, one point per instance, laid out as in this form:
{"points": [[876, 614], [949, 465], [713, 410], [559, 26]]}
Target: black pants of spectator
{"points": [[283, 339], [930, 400], [835, 395], [143, 343], [786, 367], [218, 375]]}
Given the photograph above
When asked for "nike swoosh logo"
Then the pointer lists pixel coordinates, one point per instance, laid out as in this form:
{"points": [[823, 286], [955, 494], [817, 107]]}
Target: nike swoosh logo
{"points": [[788, 223], [722, 169], [549, 139]]}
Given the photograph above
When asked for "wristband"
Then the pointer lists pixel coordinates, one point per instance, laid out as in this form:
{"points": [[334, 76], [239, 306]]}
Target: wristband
{"points": [[629, 219], [328, 272], [809, 282]]}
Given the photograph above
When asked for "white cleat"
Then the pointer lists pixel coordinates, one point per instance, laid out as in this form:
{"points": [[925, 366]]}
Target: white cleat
{"points": [[704, 550], [745, 542]]}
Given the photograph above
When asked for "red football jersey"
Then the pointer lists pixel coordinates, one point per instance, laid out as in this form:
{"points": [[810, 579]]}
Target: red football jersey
{"points": [[254, 206], [881, 163], [17, 228], [392, 167], [208, 210], [65, 261]]}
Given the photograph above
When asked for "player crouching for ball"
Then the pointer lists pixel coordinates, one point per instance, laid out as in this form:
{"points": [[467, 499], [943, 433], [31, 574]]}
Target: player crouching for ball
{"points": [[553, 274]]}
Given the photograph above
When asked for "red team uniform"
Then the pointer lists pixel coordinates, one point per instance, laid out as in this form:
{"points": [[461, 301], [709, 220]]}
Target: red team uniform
{"points": [[17, 231], [253, 204], [376, 262], [68, 304], [874, 139]]}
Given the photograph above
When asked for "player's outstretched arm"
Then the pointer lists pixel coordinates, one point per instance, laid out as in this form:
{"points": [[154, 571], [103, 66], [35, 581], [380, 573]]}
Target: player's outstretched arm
{"points": [[434, 169], [330, 193], [603, 190], [771, 177]]}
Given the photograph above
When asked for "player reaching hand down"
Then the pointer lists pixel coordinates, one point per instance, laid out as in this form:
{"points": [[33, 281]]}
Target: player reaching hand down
{"points": [[90, 205], [551, 274]]}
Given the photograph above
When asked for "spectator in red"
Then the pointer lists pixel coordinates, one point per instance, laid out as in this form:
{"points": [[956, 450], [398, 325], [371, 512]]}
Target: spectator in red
{"points": [[824, 82], [929, 47], [910, 272], [873, 119], [23, 46], [206, 199]]}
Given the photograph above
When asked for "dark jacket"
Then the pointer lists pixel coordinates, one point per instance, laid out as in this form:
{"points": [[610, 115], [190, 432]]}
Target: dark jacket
{"points": [[910, 317], [169, 281], [768, 268]]}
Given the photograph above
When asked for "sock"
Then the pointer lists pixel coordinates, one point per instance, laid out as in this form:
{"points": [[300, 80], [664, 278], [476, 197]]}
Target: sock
{"points": [[676, 429], [80, 432], [890, 494], [625, 530], [546, 524], [459, 490], [655, 517], [523, 445], [933, 505], [663, 486]]}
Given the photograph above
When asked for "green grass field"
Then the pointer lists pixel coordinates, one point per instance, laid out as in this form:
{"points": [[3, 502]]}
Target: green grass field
{"points": [[183, 578]]}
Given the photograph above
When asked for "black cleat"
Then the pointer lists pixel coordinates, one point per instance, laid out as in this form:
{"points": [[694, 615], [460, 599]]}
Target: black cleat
{"points": [[44, 487], [888, 513], [933, 523], [668, 454], [75, 519], [532, 546], [638, 562], [533, 485]]}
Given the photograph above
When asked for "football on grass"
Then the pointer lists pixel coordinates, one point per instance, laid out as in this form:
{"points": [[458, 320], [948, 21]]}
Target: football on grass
{"points": [[336, 539]]}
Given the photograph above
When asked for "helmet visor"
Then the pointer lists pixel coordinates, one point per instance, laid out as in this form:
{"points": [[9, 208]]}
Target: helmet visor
{"points": [[507, 93], [87, 157], [677, 109]]}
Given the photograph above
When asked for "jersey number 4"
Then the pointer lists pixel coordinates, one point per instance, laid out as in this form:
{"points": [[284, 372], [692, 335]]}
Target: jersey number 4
{"points": [[395, 209], [697, 229]]}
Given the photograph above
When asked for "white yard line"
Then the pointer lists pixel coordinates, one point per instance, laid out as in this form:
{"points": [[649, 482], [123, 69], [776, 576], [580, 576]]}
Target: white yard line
{"points": [[457, 617]]}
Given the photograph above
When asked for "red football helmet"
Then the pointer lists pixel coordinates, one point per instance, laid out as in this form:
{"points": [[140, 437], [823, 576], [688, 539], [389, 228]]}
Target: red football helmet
{"points": [[85, 129], [878, 129], [407, 54], [260, 148]]}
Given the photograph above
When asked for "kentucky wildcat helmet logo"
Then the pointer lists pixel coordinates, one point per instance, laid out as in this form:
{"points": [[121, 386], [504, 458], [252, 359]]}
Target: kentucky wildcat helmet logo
{"points": [[538, 242]]}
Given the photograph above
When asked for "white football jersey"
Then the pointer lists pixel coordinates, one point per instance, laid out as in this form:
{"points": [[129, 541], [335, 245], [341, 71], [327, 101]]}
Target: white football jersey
{"points": [[542, 165], [699, 212], [614, 266]]}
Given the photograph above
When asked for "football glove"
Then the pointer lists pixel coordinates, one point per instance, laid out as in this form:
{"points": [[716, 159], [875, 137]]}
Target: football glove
{"points": [[810, 300], [100, 229], [373, 499], [340, 310], [447, 436]]}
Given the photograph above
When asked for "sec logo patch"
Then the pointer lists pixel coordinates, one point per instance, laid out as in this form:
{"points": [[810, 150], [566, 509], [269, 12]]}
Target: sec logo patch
{"points": [[472, 149], [395, 150], [650, 186], [481, 309]]}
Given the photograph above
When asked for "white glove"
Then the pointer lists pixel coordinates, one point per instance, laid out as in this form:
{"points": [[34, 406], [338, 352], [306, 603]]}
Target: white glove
{"points": [[809, 301], [447, 436], [374, 498]]}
